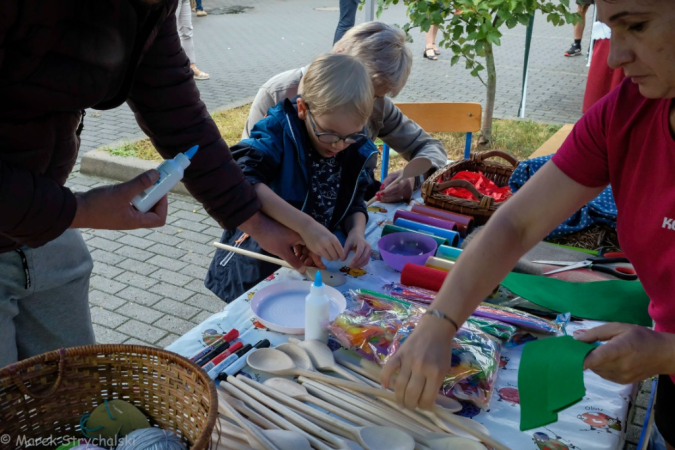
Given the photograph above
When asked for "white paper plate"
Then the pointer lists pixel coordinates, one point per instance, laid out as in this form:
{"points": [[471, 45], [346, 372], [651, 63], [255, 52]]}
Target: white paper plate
{"points": [[281, 306]]}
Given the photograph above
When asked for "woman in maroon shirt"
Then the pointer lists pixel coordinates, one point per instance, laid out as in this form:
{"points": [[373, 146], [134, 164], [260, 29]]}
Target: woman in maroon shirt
{"points": [[643, 45]]}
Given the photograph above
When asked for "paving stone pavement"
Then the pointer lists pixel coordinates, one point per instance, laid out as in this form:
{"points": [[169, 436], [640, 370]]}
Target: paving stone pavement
{"points": [[147, 286], [242, 51]]}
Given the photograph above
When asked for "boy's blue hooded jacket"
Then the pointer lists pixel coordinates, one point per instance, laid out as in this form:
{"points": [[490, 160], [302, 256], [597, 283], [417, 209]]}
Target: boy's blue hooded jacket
{"points": [[277, 154]]}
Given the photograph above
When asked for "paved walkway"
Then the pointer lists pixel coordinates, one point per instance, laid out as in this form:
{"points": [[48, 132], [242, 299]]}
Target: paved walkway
{"points": [[242, 51], [147, 287]]}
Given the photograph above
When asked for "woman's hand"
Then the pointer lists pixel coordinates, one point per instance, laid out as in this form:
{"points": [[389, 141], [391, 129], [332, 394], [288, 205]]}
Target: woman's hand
{"points": [[322, 242], [308, 258], [631, 352], [422, 363], [356, 242], [392, 193]]}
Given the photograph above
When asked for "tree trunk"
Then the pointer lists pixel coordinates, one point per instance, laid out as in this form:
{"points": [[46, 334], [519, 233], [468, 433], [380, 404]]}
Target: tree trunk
{"points": [[485, 140]]}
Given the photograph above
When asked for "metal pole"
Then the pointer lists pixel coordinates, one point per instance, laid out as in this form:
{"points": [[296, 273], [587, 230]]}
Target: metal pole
{"points": [[526, 67], [369, 8]]}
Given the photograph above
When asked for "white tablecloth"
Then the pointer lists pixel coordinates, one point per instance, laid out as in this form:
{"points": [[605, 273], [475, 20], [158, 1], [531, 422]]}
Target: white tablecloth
{"points": [[599, 421]]}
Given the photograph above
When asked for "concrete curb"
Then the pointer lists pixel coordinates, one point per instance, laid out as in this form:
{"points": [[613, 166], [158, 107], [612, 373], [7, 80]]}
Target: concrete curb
{"points": [[102, 163]]}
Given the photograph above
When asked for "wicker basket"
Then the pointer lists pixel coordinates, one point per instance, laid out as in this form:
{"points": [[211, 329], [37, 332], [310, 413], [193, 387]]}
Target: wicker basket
{"points": [[480, 210], [45, 396]]}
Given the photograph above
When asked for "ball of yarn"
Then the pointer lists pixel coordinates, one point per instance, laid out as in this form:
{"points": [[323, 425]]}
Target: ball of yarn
{"points": [[112, 419], [152, 439]]}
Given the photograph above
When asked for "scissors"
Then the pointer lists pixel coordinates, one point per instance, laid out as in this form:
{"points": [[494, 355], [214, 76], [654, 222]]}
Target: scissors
{"points": [[597, 263]]}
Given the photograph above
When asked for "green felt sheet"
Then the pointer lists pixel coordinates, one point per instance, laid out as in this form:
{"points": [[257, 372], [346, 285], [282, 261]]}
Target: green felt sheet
{"points": [[609, 301], [550, 379]]}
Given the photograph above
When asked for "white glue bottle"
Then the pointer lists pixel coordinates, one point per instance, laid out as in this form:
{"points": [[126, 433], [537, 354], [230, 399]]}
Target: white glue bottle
{"points": [[170, 173], [317, 311]]}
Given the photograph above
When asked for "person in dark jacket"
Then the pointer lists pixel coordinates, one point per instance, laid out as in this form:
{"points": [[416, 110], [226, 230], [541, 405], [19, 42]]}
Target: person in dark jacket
{"points": [[307, 161], [57, 58]]}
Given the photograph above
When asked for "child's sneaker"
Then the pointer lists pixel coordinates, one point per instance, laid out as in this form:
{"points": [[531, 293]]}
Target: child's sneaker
{"points": [[574, 50]]}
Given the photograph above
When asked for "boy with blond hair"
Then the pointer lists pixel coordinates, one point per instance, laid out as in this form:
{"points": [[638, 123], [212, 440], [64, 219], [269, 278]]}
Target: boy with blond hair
{"points": [[306, 160], [382, 49]]}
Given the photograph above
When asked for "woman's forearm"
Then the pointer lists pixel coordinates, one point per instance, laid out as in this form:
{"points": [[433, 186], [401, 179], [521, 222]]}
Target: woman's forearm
{"points": [[514, 229]]}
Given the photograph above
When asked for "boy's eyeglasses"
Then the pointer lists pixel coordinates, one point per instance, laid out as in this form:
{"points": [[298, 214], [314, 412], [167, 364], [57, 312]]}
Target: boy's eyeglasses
{"points": [[334, 138]]}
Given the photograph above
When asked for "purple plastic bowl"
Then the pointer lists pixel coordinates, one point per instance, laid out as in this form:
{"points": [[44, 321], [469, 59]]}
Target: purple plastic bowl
{"points": [[399, 249]]}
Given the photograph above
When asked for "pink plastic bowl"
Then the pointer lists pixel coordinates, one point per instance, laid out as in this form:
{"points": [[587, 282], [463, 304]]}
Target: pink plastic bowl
{"points": [[399, 249]]}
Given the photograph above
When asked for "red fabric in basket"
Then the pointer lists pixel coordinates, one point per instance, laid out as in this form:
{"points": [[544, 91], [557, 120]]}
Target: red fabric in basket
{"points": [[484, 185]]}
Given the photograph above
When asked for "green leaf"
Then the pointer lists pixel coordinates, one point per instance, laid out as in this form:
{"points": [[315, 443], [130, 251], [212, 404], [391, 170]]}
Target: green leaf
{"points": [[457, 32], [422, 6], [454, 60], [425, 24]]}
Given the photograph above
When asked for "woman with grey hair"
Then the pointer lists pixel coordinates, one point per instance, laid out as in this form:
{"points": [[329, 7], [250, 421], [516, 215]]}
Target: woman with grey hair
{"points": [[389, 72]]}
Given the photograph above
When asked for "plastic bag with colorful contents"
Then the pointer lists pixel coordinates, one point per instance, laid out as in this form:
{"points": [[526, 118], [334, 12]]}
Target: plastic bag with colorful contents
{"points": [[378, 324]]}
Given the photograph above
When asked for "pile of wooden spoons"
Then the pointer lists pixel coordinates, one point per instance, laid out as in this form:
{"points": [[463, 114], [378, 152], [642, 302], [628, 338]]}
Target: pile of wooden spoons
{"points": [[326, 412]]}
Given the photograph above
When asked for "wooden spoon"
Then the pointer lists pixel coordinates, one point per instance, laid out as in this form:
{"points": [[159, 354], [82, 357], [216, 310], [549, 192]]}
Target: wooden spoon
{"points": [[372, 371], [432, 439], [300, 393], [448, 442], [370, 437], [421, 420], [328, 427], [220, 442], [272, 416], [284, 439], [379, 413], [297, 354], [415, 168], [262, 442], [275, 362], [322, 357], [329, 278], [259, 392], [245, 410]]}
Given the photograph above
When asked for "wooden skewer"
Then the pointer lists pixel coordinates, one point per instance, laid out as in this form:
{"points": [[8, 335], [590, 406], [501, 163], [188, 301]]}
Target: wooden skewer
{"points": [[250, 254]]}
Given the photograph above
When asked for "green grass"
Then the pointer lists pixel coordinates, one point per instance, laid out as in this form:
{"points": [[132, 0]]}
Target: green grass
{"points": [[517, 137]]}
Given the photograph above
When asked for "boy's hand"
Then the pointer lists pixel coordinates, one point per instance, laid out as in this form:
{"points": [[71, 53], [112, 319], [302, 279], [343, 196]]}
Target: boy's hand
{"points": [[361, 247], [322, 242]]}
